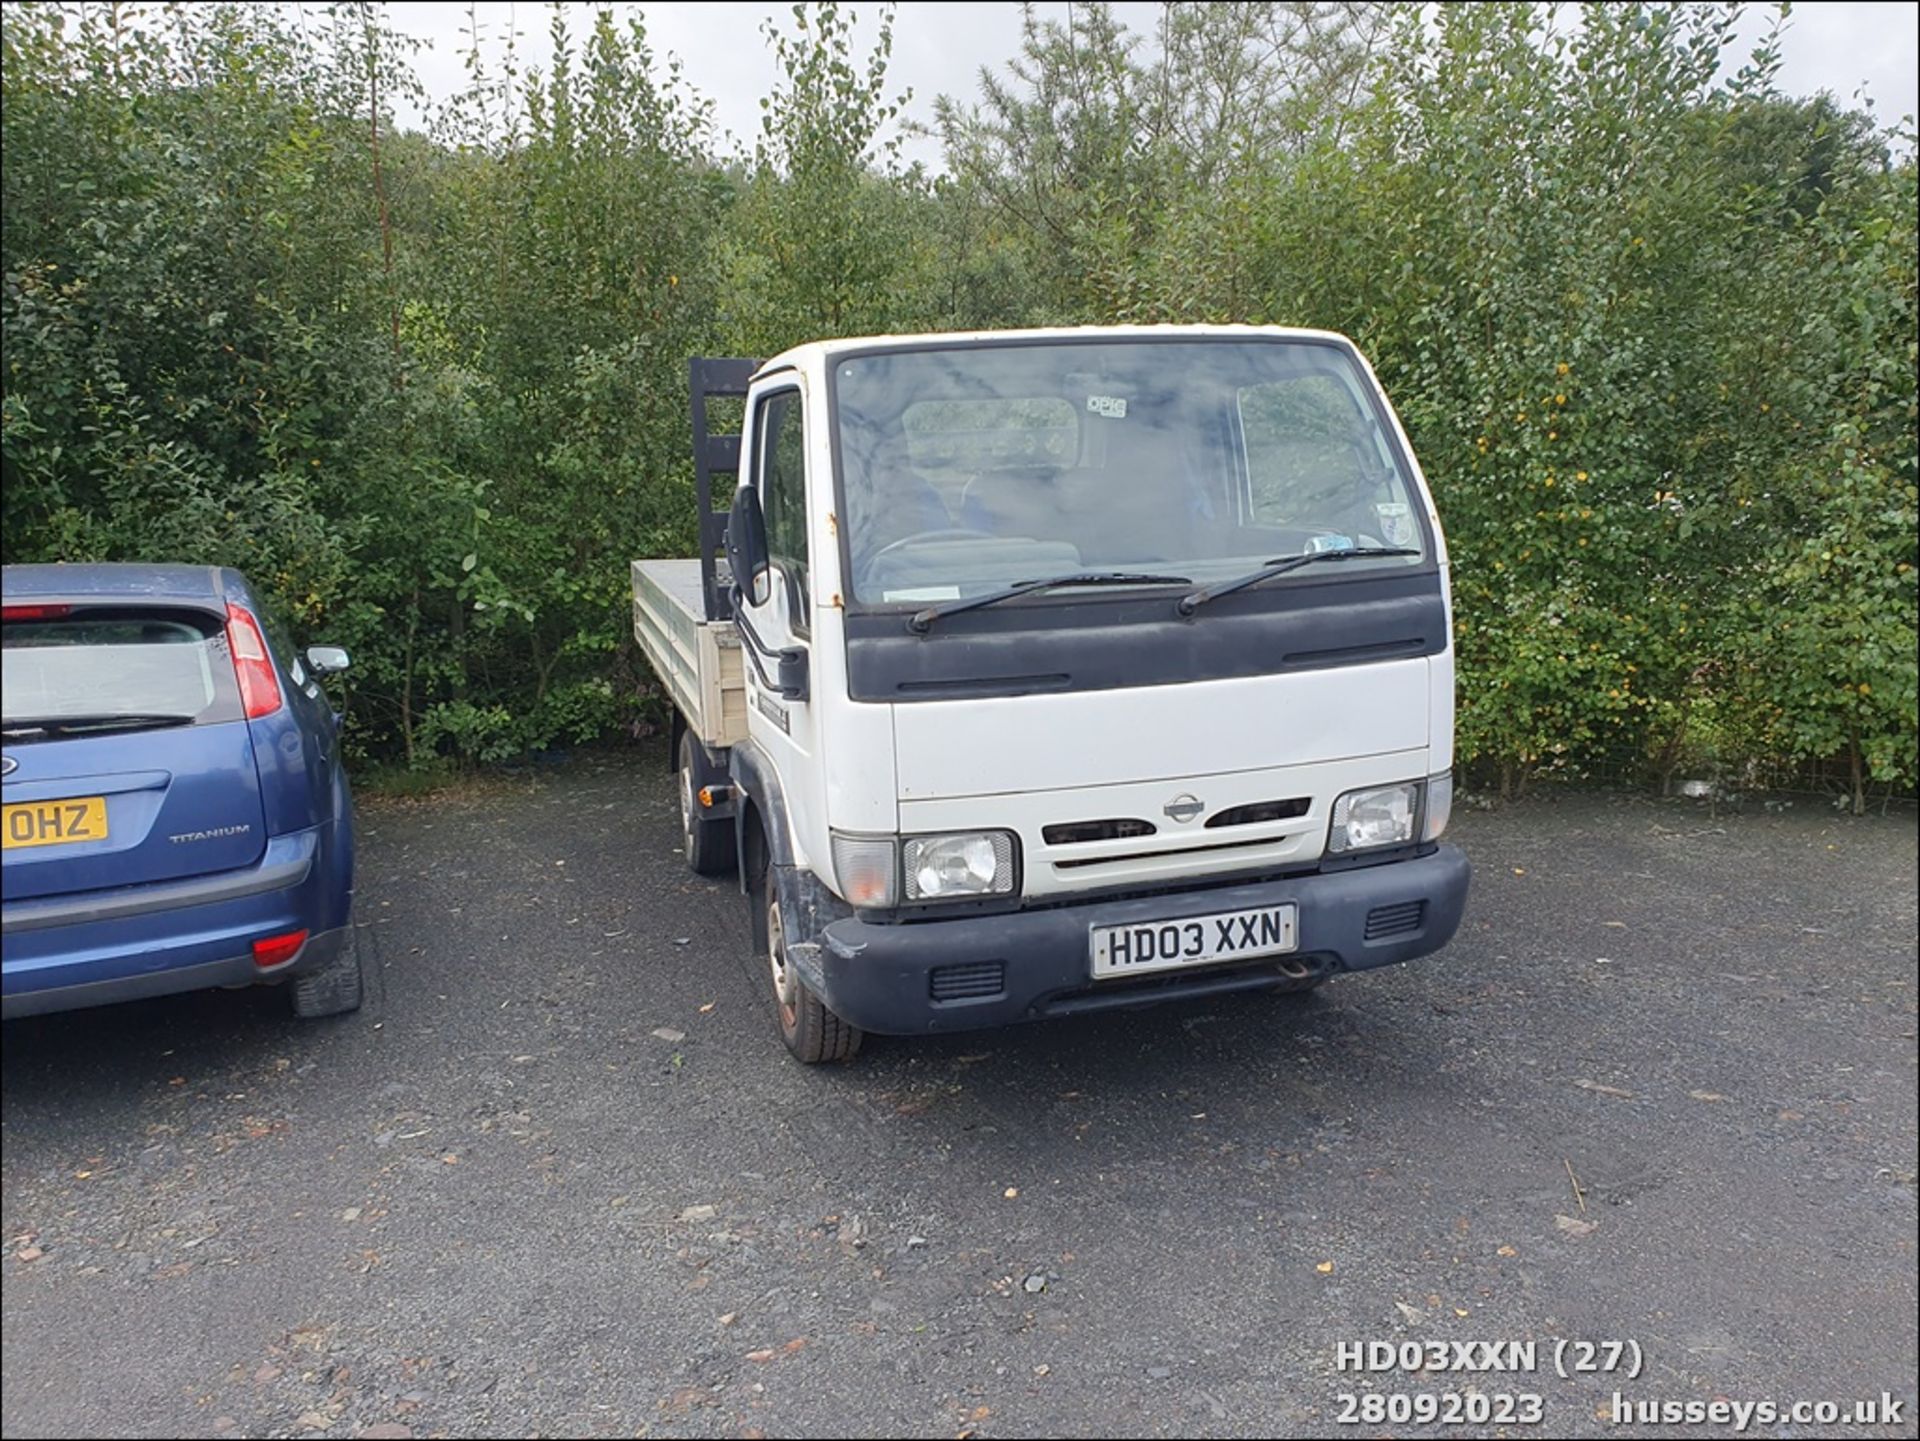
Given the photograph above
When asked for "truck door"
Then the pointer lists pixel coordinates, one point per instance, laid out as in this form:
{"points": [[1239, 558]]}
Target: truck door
{"points": [[784, 729]]}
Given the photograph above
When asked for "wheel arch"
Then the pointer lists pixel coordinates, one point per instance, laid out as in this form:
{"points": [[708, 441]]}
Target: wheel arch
{"points": [[676, 727], [762, 810]]}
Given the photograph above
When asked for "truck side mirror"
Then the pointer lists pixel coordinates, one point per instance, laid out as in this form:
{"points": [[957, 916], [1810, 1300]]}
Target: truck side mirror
{"points": [[747, 546], [327, 659]]}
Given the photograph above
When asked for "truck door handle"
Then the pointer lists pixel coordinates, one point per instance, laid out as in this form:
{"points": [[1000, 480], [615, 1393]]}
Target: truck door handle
{"points": [[790, 669]]}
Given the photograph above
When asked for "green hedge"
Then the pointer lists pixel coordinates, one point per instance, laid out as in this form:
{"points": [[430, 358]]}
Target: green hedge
{"points": [[1651, 323]]}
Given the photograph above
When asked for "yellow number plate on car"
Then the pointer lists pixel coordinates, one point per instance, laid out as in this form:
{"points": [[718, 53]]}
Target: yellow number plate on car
{"points": [[54, 823]]}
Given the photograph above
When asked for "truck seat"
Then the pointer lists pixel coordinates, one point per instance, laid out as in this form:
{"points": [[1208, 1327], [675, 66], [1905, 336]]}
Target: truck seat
{"points": [[900, 502], [1105, 513], [1025, 502]]}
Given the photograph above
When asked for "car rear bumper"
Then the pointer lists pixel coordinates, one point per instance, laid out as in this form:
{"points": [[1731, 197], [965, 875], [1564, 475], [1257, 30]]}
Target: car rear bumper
{"points": [[62, 953], [229, 971], [1029, 965]]}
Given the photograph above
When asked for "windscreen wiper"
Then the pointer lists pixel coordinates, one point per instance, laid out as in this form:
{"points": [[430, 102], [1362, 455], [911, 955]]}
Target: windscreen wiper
{"points": [[70, 724], [1193, 600], [922, 621]]}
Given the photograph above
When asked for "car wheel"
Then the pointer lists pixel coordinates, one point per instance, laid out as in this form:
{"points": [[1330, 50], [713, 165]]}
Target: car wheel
{"points": [[811, 1031], [708, 843], [335, 988]]}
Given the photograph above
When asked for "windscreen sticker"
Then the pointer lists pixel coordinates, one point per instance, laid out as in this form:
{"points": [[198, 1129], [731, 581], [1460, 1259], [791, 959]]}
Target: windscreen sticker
{"points": [[1396, 522], [923, 592], [1330, 542], [1113, 407]]}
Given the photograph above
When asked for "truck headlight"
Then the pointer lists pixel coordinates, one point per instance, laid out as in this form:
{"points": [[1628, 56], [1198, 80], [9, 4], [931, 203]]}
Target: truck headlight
{"points": [[974, 863], [935, 868], [1378, 816]]}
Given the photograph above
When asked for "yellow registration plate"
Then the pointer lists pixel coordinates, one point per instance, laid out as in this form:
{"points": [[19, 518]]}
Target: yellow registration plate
{"points": [[55, 823]]}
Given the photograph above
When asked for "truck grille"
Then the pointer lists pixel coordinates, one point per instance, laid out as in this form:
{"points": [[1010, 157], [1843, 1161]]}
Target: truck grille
{"points": [[1395, 920], [969, 982], [1072, 833], [1259, 811], [1085, 862]]}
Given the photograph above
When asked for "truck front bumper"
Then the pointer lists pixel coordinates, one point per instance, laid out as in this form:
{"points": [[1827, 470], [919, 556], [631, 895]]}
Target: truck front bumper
{"points": [[962, 973]]}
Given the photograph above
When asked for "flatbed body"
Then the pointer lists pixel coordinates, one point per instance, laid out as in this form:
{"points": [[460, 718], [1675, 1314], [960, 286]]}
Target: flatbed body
{"points": [[698, 660]]}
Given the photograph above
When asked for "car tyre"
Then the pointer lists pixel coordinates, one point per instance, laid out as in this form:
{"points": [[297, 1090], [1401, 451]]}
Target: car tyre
{"points": [[333, 989]]}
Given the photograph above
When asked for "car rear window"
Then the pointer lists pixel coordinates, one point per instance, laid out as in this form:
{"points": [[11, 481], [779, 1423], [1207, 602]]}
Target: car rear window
{"points": [[170, 665]]}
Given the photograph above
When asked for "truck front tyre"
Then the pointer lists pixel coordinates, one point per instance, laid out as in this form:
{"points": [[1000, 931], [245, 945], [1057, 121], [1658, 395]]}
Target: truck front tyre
{"points": [[811, 1031], [708, 843]]}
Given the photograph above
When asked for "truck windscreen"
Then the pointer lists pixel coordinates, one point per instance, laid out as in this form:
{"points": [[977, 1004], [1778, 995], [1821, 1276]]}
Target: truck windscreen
{"points": [[970, 468]]}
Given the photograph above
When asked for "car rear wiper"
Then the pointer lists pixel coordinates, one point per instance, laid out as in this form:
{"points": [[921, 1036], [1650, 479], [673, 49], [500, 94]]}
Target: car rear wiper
{"points": [[71, 724], [922, 621], [1193, 600]]}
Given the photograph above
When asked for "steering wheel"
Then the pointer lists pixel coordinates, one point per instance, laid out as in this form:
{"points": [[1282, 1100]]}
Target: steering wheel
{"points": [[925, 537], [869, 567]]}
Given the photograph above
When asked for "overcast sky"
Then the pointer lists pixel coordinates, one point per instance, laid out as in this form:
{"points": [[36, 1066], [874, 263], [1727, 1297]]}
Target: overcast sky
{"points": [[940, 47]]}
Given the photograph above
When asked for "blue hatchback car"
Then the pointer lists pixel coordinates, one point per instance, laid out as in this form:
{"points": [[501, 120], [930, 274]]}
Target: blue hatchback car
{"points": [[176, 814]]}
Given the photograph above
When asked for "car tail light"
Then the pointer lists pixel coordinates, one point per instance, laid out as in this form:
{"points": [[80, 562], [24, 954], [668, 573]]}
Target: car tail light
{"points": [[275, 949], [34, 612], [259, 688]]}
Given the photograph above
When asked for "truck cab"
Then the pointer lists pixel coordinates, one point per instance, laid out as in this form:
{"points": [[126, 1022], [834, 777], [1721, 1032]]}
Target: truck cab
{"points": [[1038, 673]]}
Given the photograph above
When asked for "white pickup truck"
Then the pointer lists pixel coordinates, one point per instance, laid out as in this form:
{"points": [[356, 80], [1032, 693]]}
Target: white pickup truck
{"points": [[1037, 673]]}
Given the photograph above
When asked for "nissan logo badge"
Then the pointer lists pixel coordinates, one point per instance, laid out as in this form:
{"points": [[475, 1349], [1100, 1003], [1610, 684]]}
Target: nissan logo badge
{"points": [[1183, 808]]}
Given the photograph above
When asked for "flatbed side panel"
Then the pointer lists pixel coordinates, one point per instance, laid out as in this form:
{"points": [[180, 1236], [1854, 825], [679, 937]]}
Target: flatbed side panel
{"points": [[670, 648], [698, 661]]}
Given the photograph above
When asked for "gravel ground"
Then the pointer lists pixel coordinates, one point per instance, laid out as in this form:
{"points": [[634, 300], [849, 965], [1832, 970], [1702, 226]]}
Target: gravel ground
{"points": [[559, 1177]]}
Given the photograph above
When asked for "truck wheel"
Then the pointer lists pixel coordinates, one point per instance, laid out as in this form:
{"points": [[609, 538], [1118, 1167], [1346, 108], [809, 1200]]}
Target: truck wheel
{"points": [[812, 1032], [709, 843], [333, 989]]}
